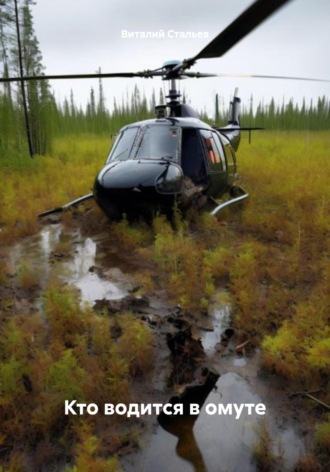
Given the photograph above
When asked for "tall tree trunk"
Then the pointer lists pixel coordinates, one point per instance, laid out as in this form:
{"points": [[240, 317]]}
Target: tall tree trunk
{"points": [[20, 60]]}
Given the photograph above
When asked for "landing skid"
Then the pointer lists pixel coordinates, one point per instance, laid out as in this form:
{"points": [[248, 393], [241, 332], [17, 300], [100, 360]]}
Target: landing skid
{"points": [[66, 206], [220, 206]]}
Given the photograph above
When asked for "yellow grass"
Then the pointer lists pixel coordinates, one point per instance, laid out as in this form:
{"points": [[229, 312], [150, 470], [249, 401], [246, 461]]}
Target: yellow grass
{"points": [[33, 186], [271, 253]]}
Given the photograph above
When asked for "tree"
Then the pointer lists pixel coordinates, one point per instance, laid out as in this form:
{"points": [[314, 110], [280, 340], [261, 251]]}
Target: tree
{"points": [[20, 56], [216, 112], [153, 101], [4, 44], [161, 97], [101, 111], [38, 92]]}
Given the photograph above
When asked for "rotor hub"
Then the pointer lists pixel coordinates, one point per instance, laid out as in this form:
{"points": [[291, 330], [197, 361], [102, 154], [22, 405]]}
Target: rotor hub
{"points": [[172, 69]]}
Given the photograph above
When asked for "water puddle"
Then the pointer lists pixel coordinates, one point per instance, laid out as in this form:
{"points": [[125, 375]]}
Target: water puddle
{"points": [[221, 443], [34, 252], [213, 443], [84, 276], [239, 362], [39, 254], [216, 443], [221, 320]]}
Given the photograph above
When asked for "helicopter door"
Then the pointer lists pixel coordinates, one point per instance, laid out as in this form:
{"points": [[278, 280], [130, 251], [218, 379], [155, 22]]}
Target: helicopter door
{"points": [[216, 160], [192, 157]]}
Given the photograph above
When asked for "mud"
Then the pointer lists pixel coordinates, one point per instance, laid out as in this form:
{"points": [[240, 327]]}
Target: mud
{"points": [[187, 350]]}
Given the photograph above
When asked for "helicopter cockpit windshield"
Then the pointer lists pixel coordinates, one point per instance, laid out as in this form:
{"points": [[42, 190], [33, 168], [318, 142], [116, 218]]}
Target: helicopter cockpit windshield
{"points": [[147, 142], [123, 145], [159, 142]]}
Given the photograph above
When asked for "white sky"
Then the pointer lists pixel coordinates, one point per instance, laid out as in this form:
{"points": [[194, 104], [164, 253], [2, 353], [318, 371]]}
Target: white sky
{"points": [[81, 36]]}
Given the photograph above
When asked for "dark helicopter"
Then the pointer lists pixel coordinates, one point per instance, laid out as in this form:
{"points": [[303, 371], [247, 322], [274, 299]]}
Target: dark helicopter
{"points": [[174, 159]]}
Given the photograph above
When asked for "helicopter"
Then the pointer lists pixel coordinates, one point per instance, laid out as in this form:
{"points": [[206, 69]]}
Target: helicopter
{"points": [[174, 159]]}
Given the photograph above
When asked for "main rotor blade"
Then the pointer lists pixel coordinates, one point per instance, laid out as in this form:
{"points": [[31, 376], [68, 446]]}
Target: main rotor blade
{"points": [[146, 74], [281, 77], [238, 29], [198, 75]]}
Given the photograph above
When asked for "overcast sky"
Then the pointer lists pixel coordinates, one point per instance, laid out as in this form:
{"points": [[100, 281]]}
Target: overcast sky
{"points": [[81, 36]]}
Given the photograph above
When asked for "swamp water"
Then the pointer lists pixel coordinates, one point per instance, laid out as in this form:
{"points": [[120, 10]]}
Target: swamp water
{"points": [[221, 443], [210, 443], [39, 254]]}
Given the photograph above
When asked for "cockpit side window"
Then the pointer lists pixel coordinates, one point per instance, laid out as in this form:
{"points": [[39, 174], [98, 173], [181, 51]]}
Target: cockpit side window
{"points": [[214, 150], [123, 145], [219, 148], [230, 156]]}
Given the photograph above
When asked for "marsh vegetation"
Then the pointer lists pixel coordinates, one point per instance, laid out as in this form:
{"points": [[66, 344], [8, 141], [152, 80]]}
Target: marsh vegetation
{"points": [[270, 255]]}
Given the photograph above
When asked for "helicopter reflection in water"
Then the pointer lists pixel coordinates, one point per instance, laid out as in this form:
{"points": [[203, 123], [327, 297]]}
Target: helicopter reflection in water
{"points": [[182, 426]]}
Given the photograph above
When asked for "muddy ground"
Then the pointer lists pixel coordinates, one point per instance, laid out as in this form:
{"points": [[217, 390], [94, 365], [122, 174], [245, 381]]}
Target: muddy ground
{"points": [[187, 349]]}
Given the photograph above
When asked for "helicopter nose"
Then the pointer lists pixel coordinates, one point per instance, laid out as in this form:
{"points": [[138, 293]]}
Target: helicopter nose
{"points": [[124, 185], [170, 180], [118, 177]]}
